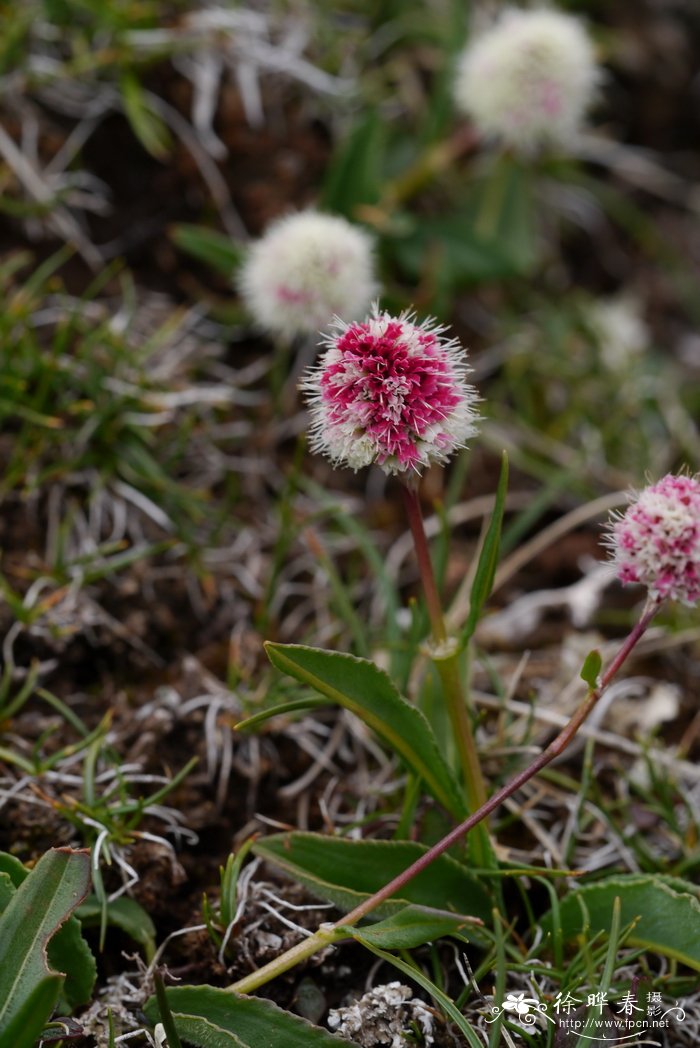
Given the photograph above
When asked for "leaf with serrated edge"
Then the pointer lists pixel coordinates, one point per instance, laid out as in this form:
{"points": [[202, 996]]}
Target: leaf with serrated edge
{"points": [[252, 1022], [346, 872], [361, 687], [666, 920], [40, 905]]}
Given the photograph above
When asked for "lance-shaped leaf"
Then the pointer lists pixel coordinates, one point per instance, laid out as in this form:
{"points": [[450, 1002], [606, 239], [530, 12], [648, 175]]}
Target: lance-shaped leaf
{"points": [[410, 927], [361, 687], [211, 1018], [347, 872], [39, 906]]}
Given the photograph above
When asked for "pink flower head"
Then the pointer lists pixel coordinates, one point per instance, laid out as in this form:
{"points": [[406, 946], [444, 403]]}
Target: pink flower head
{"points": [[390, 391], [657, 540]]}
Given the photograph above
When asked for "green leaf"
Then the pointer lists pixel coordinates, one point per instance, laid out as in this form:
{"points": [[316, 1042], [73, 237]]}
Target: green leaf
{"points": [[214, 1018], [39, 906], [590, 671], [666, 918], [295, 706], [123, 913], [361, 687], [491, 237], [27, 1024], [13, 869], [7, 890], [355, 175], [146, 125], [347, 872], [67, 952], [413, 926], [208, 245], [165, 1012], [488, 559]]}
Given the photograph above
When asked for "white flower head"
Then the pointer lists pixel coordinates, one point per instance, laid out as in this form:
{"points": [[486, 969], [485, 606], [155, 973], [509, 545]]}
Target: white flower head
{"points": [[528, 80], [390, 391], [308, 268]]}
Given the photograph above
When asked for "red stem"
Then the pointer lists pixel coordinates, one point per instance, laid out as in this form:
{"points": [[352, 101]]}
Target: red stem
{"points": [[425, 564], [557, 746]]}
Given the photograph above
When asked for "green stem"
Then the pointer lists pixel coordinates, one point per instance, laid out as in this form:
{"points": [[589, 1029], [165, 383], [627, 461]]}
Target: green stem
{"points": [[325, 936], [431, 163], [445, 657], [329, 933], [449, 672]]}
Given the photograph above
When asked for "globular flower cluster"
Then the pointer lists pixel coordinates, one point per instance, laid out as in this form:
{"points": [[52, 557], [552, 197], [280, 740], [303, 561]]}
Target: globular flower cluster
{"points": [[390, 391], [528, 80], [657, 540], [308, 268]]}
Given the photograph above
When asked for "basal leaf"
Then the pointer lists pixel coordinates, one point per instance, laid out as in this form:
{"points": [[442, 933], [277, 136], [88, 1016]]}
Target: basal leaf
{"points": [[13, 868], [67, 951], [208, 245], [123, 913], [145, 123], [40, 905], [27, 1023], [355, 175], [213, 1018], [666, 918], [346, 872], [7, 890], [410, 927], [361, 687]]}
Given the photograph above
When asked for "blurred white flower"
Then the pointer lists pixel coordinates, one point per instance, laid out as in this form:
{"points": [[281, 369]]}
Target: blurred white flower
{"points": [[528, 79], [308, 268], [620, 330]]}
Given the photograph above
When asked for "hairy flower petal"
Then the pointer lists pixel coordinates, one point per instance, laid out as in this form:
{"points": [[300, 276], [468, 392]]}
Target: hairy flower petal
{"points": [[656, 542], [390, 391]]}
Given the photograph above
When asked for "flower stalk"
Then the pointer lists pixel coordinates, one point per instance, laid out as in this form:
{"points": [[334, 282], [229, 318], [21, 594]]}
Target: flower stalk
{"points": [[445, 656]]}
